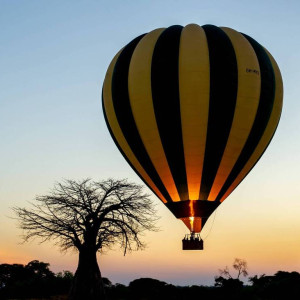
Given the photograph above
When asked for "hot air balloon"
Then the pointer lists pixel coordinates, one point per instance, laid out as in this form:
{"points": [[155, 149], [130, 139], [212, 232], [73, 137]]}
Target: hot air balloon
{"points": [[192, 109]]}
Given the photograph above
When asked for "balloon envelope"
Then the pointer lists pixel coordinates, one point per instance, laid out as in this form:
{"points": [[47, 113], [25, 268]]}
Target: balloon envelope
{"points": [[192, 109]]}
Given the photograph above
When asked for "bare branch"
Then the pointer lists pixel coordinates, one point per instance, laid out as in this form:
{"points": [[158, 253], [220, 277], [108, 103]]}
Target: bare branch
{"points": [[241, 266], [225, 272], [86, 213]]}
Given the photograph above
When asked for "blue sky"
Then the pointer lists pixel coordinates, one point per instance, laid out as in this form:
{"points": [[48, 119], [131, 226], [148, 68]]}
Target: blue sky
{"points": [[54, 55]]}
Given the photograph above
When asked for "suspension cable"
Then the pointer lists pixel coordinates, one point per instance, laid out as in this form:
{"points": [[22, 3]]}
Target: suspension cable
{"points": [[215, 212]]}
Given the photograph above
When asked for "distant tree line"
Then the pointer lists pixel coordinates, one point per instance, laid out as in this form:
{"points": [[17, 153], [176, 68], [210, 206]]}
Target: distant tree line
{"points": [[282, 285], [36, 280]]}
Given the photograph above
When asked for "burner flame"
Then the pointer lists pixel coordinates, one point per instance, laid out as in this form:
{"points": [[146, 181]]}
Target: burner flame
{"points": [[192, 223], [192, 213]]}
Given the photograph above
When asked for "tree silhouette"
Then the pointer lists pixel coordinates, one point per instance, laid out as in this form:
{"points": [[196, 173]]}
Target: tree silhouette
{"points": [[240, 265], [89, 216], [227, 282], [32, 280], [282, 285]]}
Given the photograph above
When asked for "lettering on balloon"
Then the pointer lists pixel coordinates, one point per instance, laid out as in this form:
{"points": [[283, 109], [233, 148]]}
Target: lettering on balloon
{"points": [[252, 71]]}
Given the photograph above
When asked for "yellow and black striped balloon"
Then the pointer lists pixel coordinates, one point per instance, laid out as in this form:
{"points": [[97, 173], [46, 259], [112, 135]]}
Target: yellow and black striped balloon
{"points": [[192, 109]]}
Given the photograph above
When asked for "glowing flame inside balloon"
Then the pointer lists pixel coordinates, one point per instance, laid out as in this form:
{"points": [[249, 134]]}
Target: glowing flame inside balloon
{"points": [[192, 213], [192, 223]]}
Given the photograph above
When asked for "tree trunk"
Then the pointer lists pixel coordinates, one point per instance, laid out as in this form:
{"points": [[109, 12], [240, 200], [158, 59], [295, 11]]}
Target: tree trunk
{"points": [[87, 284]]}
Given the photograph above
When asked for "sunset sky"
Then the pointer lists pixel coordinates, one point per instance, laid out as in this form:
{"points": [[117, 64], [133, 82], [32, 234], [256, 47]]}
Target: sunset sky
{"points": [[53, 59]]}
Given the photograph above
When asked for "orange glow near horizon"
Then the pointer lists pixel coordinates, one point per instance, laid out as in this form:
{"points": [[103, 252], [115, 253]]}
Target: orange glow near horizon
{"points": [[269, 244], [247, 226]]}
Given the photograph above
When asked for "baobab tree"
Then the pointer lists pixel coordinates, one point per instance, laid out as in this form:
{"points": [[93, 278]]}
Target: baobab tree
{"points": [[90, 217]]}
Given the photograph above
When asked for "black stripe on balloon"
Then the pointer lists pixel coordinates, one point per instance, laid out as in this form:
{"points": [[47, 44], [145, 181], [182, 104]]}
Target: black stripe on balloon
{"points": [[257, 159], [121, 102], [120, 149], [166, 103], [265, 107], [222, 101]]}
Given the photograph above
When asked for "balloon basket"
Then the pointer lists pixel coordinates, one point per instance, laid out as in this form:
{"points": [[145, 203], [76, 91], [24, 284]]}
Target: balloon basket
{"points": [[192, 242]]}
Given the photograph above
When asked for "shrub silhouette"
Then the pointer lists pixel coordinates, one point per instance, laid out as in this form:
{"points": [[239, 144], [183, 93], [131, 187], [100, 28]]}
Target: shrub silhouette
{"points": [[32, 280]]}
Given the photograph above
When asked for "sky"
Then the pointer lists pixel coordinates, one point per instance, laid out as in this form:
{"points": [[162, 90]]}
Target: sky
{"points": [[53, 59]]}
